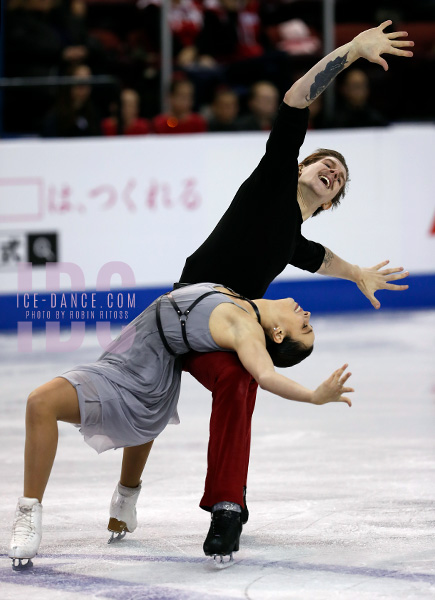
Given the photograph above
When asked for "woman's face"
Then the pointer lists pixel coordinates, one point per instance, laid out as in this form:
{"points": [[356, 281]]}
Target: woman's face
{"points": [[292, 320]]}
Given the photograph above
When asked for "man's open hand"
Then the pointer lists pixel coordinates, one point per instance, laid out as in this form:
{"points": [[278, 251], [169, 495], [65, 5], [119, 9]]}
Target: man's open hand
{"points": [[376, 278], [370, 44]]}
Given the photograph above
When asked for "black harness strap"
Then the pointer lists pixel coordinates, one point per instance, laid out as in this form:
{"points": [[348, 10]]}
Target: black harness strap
{"points": [[184, 316], [251, 302], [160, 328], [181, 316], [180, 284], [192, 306]]}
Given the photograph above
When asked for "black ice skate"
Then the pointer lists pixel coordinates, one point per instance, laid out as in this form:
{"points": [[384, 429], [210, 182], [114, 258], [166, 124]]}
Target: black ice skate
{"points": [[245, 511], [224, 533]]}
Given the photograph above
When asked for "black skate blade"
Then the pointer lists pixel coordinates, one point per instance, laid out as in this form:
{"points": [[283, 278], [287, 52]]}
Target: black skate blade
{"points": [[18, 565], [116, 536]]}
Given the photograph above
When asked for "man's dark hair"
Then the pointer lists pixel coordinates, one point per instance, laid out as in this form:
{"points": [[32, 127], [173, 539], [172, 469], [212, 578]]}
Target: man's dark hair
{"points": [[288, 353], [323, 153]]}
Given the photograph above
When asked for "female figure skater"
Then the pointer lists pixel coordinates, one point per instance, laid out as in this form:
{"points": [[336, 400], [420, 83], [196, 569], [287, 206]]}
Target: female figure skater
{"points": [[254, 241], [130, 394]]}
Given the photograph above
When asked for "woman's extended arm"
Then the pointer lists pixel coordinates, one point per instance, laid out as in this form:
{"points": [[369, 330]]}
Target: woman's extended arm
{"points": [[369, 44], [256, 360], [368, 280]]}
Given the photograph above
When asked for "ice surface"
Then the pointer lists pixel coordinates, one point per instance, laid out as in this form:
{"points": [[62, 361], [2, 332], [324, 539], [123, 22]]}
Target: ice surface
{"points": [[342, 501]]}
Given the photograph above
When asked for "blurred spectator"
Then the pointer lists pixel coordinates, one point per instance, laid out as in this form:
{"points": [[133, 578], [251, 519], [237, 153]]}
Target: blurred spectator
{"points": [[180, 118], [316, 119], [33, 48], [33, 44], [263, 105], [132, 124], [276, 12], [74, 114], [353, 109], [69, 19], [294, 37], [39, 39], [231, 31], [216, 43], [185, 18], [224, 111]]}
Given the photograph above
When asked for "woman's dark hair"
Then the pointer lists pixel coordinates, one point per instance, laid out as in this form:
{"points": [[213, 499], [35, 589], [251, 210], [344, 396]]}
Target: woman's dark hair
{"points": [[323, 153], [288, 353]]}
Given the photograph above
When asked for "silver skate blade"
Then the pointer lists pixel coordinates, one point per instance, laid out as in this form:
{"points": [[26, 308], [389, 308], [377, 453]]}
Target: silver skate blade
{"points": [[18, 565], [116, 536], [221, 563]]}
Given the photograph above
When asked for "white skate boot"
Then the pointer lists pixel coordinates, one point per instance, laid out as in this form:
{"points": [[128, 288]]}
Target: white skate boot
{"points": [[26, 532], [123, 511]]}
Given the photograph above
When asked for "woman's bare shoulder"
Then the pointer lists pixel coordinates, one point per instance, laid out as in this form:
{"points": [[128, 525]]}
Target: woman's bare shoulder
{"points": [[229, 323]]}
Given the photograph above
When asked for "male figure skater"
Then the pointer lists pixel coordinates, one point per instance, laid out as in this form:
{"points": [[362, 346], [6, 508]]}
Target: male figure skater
{"points": [[257, 237]]}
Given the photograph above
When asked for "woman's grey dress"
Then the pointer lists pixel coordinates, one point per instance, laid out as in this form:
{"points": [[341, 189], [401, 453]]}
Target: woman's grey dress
{"points": [[130, 394]]}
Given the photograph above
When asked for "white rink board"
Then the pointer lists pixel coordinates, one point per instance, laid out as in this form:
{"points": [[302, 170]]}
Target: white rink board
{"points": [[151, 201]]}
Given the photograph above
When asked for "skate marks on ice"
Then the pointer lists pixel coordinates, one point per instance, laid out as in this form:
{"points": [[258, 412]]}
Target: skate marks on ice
{"points": [[77, 573], [46, 578]]}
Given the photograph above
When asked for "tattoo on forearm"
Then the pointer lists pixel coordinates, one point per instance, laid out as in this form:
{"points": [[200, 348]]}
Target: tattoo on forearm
{"points": [[328, 258], [324, 78]]}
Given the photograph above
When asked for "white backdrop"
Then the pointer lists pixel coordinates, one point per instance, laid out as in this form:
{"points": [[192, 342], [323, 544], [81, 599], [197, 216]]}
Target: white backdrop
{"points": [[150, 201]]}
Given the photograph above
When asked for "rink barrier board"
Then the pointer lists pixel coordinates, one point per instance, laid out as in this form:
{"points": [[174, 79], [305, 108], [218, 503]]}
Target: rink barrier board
{"points": [[148, 202], [327, 296]]}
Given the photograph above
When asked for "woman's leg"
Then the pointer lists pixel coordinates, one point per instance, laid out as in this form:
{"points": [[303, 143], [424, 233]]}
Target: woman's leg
{"points": [[52, 402], [134, 460], [123, 516], [234, 392]]}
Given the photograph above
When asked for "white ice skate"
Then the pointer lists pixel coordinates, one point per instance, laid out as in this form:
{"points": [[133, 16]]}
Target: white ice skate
{"points": [[123, 517], [26, 532]]}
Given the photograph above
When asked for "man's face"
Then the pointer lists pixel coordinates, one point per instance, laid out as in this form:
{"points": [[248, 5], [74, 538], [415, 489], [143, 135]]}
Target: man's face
{"points": [[325, 178]]}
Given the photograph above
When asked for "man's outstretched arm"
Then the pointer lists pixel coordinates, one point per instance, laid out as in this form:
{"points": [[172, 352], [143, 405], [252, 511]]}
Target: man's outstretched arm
{"points": [[368, 280], [369, 44]]}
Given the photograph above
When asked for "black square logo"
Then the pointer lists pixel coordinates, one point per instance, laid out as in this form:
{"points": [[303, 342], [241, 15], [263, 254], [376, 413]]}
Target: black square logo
{"points": [[13, 249], [42, 248]]}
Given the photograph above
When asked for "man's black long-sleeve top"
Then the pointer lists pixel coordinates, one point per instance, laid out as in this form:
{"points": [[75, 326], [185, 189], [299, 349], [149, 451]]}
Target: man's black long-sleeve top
{"points": [[260, 233]]}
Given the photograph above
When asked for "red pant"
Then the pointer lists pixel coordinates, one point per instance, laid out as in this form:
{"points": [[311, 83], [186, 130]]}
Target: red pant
{"points": [[234, 392]]}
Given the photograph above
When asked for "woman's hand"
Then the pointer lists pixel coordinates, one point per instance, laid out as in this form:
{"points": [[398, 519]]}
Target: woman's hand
{"points": [[373, 279], [332, 389], [372, 43]]}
